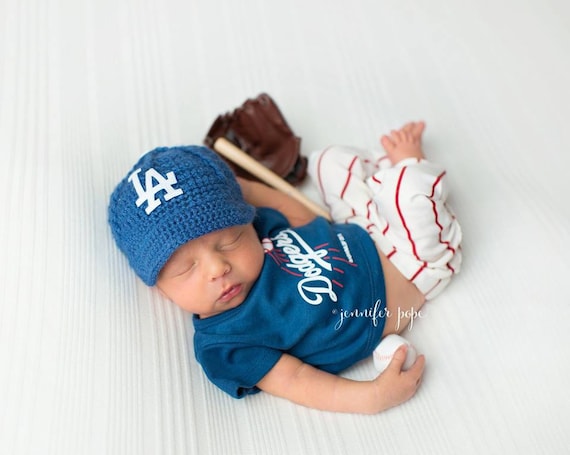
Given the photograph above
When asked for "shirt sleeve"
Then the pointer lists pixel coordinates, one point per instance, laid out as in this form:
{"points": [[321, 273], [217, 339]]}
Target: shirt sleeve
{"points": [[236, 369], [267, 219]]}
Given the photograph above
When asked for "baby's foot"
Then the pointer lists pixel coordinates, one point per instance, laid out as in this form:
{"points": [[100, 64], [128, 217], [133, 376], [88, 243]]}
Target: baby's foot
{"points": [[405, 142]]}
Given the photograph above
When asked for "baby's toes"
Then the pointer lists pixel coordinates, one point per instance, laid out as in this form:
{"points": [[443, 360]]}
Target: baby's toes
{"points": [[418, 129], [407, 136], [409, 127], [387, 143], [397, 136]]}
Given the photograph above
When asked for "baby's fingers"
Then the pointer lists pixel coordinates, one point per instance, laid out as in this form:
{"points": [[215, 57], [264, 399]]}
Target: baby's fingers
{"points": [[399, 358], [416, 371], [414, 374]]}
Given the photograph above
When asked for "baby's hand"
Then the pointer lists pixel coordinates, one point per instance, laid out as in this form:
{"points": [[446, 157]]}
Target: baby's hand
{"points": [[395, 386]]}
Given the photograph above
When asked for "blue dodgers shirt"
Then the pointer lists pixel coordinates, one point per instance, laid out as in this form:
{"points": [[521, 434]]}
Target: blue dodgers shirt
{"points": [[320, 297]]}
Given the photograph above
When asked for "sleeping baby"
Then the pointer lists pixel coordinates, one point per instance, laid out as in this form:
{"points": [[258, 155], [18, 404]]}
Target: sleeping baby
{"points": [[283, 301]]}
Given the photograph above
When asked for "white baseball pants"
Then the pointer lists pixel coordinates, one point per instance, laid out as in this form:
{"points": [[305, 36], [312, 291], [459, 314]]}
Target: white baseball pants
{"points": [[403, 208]]}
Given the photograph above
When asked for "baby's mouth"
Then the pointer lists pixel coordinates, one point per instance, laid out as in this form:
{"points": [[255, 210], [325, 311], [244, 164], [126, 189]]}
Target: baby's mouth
{"points": [[230, 293]]}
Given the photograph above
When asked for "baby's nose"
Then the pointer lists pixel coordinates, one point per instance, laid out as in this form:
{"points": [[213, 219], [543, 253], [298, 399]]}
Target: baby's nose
{"points": [[219, 267]]}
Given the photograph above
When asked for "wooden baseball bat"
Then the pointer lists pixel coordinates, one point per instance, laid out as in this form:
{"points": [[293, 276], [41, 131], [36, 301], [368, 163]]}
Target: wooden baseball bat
{"points": [[243, 160]]}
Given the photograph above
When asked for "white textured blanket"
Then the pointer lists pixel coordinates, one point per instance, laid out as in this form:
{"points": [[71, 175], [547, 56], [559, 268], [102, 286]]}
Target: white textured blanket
{"points": [[93, 362]]}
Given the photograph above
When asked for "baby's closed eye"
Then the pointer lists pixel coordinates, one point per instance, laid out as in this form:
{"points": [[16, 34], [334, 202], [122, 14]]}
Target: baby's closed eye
{"points": [[231, 243]]}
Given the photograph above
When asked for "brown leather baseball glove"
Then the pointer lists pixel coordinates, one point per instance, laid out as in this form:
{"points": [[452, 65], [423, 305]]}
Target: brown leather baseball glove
{"points": [[259, 129]]}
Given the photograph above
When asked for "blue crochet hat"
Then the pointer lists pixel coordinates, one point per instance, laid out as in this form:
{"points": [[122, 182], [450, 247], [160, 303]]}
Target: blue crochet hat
{"points": [[173, 195]]}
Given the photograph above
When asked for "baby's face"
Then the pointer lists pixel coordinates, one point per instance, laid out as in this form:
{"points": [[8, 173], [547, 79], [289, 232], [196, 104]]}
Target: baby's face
{"points": [[213, 273]]}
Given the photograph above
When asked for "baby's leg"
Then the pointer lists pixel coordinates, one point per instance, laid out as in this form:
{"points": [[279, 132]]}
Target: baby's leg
{"points": [[340, 175], [412, 196]]}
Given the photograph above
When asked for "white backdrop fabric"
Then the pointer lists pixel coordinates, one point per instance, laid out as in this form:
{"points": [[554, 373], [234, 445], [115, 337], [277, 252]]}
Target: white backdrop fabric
{"points": [[93, 362]]}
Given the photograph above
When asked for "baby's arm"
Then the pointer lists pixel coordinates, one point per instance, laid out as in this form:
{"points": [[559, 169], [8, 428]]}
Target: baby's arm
{"points": [[303, 384], [261, 195]]}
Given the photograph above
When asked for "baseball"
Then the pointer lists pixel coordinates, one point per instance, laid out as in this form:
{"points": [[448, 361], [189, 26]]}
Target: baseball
{"points": [[384, 352]]}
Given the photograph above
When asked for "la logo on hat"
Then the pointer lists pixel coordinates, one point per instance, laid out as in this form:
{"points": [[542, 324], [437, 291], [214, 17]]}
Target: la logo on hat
{"points": [[148, 193]]}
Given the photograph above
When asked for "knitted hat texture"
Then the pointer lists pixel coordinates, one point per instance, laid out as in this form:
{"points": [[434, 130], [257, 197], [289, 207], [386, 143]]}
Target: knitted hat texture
{"points": [[173, 195]]}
